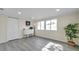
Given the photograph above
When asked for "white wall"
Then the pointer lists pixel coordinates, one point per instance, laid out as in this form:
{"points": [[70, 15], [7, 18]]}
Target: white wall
{"points": [[60, 34], [3, 29], [21, 26]]}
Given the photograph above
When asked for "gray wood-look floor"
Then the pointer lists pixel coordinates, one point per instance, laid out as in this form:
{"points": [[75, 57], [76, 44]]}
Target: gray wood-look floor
{"points": [[32, 44]]}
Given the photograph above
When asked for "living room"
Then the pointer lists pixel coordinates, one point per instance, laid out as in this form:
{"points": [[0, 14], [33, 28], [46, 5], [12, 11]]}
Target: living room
{"points": [[27, 28]]}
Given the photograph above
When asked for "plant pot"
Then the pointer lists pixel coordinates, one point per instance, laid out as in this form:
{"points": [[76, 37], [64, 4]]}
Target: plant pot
{"points": [[71, 43]]}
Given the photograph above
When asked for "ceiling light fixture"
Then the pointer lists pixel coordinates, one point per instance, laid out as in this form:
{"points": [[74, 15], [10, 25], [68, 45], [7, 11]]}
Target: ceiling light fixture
{"points": [[57, 10], [32, 17], [19, 12]]}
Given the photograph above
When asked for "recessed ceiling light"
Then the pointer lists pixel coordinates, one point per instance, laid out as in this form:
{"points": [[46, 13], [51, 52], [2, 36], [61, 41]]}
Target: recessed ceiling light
{"points": [[57, 10], [32, 17], [19, 12]]}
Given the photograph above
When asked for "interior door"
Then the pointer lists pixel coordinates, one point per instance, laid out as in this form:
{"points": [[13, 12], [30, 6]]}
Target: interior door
{"points": [[12, 29]]}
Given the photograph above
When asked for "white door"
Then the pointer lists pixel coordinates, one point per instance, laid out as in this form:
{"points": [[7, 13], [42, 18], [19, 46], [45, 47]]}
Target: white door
{"points": [[12, 29]]}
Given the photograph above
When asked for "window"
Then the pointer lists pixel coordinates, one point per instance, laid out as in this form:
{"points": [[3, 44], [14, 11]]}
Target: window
{"points": [[51, 24], [54, 24], [48, 25], [40, 25]]}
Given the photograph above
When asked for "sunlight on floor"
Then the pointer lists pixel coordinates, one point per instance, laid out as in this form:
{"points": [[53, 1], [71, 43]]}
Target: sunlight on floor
{"points": [[52, 47]]}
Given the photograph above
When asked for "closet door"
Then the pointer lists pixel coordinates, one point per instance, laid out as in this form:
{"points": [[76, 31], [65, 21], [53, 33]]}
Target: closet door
{"points": [[12, 29]]}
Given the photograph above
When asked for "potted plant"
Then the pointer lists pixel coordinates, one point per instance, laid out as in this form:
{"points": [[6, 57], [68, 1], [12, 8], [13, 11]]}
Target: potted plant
{"points": [[71, 32]]}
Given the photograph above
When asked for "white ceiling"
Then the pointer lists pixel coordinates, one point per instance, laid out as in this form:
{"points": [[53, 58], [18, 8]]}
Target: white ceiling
{"points": [[36, 13]]}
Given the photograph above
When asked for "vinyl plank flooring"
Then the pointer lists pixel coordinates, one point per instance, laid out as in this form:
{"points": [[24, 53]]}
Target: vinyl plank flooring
{"points": [[32, 44]]}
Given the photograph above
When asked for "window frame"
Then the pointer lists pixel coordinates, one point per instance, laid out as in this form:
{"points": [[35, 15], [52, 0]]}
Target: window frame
{"points": [[46, 25], [55, 25], [41, 25]]}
